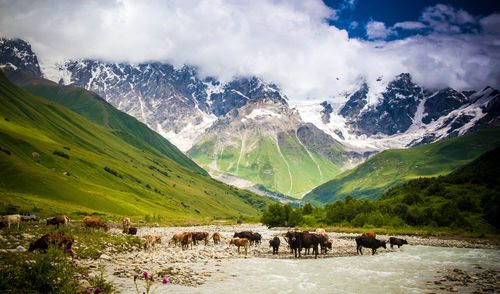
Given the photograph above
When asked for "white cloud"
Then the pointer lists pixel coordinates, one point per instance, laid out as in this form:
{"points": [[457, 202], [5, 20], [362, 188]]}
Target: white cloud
{"points": [[491, 23], [349, 4], [446, 19], [286, 42], [409, 25], [377, 30]]}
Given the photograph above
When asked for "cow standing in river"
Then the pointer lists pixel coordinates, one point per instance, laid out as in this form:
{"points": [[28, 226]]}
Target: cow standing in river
{"points": [[396, 241], [275, 243], [368, 242], [293, 243]]}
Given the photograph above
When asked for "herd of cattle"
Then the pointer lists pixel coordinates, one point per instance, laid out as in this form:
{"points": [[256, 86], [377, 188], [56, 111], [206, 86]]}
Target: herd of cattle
{"points": [[296, 240]]}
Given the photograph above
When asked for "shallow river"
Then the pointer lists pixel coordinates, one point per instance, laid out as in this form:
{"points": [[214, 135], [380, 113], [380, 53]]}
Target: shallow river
{"points": [[401, 271]]}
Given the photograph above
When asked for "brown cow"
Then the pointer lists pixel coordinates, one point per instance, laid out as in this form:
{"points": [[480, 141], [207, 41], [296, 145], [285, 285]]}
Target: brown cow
{"points": [[369, 235], [240, 242], [59, 240], [58, 220], [151, 240], [126, 225], [216, 238], [94, 222], [186, 240], [396, 241], [198, 236], [176, 238]]}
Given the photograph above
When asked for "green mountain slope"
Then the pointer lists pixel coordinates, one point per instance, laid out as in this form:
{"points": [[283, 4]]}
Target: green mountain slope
{"points": [[84, 167], [468, 198], [94, 108], [392, 167], [268, 144], [283, 165]]}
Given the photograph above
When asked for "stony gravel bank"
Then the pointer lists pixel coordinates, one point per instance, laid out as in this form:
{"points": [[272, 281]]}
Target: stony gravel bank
{"points": [[192, 267]]}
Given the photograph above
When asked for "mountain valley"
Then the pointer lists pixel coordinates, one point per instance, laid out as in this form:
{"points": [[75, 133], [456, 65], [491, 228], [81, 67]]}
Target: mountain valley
{"points": [[248, 130]]}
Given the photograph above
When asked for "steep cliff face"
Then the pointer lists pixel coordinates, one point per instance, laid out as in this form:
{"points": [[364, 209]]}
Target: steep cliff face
{"points": [[17, 54], [393, 114]]}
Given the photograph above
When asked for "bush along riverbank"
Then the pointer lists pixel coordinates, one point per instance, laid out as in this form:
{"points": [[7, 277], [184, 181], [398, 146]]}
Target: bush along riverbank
{"points": [[383, 216], [52, 272]]}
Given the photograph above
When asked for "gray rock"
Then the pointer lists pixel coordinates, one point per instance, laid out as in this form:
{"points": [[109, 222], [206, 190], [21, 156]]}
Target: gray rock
{"points": [[105, 257], [27, 236], [20, 249]]}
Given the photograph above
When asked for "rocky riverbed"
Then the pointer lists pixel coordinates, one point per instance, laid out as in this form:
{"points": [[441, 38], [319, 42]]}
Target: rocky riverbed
{"points": [[477, 280], [193, 267]]}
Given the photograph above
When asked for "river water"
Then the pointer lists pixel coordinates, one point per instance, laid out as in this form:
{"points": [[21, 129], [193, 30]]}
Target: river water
{"points": [[400, 271]]}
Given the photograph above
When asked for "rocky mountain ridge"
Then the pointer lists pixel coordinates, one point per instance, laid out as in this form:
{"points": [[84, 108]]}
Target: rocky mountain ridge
{"points": [[405, 115], [192, 112], [175, 102]]}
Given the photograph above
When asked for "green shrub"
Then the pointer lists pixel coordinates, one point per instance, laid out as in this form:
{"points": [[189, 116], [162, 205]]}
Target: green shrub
{"points": [[113, 172], [296, 218], [61, 154], [41, 273], [359, 220]]}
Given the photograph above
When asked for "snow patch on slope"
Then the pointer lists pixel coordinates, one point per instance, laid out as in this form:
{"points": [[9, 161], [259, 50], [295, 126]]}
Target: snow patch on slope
{"points": [[56, 72], [189, 135], [260, 112], [375, 91], [440, 129]]}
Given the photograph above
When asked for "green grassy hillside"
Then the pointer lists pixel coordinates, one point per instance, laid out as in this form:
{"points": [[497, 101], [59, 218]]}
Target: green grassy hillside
{"points": [[84, 167], [465, 202], [466, 198], [393, 167], [282, 165], [94, 108]]}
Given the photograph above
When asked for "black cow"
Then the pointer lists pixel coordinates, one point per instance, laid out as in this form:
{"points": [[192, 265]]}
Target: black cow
{"points": [[256, 238], [245, 234], [307, 240], [368, 242], [396, 241], [293, 242], [132, 231], [63, 242], [275, 243], [325, 245]]}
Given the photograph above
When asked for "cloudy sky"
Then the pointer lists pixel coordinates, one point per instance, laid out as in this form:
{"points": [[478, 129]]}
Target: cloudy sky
{"points": [[312, 49]]}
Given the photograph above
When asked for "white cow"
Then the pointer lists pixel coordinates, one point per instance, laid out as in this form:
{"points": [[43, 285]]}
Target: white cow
{"points": [[13, 219], [126, 225]]}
